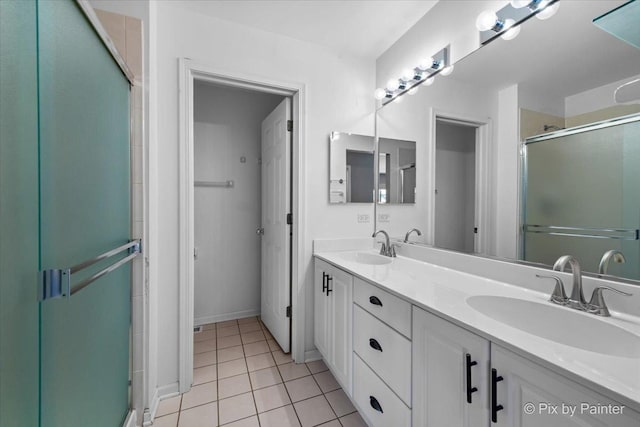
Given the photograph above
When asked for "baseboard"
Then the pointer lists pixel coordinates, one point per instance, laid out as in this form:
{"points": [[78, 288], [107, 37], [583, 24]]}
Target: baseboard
{"points": [[312, 355], [225, 316], [161, 393], [130, 421]]}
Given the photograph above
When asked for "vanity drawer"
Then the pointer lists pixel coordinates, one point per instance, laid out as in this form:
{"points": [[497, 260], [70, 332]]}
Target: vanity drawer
{"points": [[392, 310], [386, 352], [368, 390]]}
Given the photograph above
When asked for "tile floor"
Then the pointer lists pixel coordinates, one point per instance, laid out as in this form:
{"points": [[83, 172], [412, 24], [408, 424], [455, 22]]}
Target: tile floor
{"points": [[241, 378]]}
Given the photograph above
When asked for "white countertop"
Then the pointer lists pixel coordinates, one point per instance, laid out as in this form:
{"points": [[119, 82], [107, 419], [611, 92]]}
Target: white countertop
{"points": [[443, 292]]}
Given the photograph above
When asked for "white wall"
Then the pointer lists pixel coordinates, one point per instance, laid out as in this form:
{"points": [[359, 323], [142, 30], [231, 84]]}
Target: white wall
{"points": [[227, 270], [455, 182], [338, 93]]}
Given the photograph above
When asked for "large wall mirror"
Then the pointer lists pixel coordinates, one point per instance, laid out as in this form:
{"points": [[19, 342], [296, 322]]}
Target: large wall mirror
{"points": [[351, 168], [526, 150]]}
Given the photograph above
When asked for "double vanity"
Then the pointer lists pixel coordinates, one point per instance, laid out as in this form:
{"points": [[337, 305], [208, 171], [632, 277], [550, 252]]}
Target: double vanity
{"points": [[415, 341]]}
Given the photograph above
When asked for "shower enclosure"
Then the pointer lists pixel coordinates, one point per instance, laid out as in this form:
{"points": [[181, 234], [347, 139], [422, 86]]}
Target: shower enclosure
{"points": [[581, 195]]}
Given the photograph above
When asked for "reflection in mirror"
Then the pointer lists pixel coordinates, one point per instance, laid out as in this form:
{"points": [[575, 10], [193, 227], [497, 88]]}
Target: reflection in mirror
{"points": [[396, 171], [351, 166], [548, 80], [582, 196]]}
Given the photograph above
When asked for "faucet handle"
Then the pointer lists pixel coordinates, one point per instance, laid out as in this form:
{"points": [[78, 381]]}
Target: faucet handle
{"points": [[383, 249], [559, 296], [597, 304], [392, 249]]}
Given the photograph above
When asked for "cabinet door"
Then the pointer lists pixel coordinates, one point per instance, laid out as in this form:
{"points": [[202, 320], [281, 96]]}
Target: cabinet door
{"points": [[441, 374], [533, 396], [340, 289], [320, 305]]}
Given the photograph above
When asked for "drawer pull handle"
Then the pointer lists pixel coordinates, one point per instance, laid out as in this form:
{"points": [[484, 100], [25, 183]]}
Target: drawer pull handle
{"points": [[375, 344], [375, 404], [375, 301], [470, 389], [324, 282], [329, 279], [495, 379]]}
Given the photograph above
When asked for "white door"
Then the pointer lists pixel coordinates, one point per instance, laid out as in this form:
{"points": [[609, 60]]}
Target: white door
{"points": [[340, 292], [276, 155], [321, 305]]}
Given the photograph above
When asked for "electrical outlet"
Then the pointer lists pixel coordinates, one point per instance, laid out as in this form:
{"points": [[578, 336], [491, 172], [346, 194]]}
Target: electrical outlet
{"points": [[364, 218], [384, 217]]}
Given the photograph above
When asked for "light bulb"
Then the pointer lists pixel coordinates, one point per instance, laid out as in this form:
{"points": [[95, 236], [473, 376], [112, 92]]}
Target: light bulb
{"points": [[447, 70], [486, 20], [408, 74], [429, 81], [425, 63], [413, 90], [512, 32], [548, 11], [518, 4], [379, 93], [393, 85]]}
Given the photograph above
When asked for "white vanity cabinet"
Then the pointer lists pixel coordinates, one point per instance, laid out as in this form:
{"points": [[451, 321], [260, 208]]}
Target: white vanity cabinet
{"points": [[333, 297], [532, 396], [449, 389], [450, 370]]}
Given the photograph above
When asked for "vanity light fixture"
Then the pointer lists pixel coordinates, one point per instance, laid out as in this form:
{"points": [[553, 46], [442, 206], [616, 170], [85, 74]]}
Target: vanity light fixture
{"points": [[411, 78], [512, 30], [488, 20], [548, 11], [447, 70], [505, 23]]}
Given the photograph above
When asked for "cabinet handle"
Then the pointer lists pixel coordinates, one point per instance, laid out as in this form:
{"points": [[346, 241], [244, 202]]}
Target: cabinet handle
{"points": [[375, 404], [495, 379], [324, 281], [375, 301], [329, 279], [470, 389], [375, 344]]}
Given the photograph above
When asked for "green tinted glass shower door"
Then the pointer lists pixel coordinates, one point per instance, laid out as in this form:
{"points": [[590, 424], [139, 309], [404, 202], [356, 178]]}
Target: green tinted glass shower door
{"points": [[84, 212]]}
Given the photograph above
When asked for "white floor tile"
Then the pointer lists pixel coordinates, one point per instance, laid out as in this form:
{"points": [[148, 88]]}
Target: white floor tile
{"points": [[233, 386], [236, 408], [271, 398], [314, 411], [281, 417], [200, 416], [199, 395], [264, 378]]}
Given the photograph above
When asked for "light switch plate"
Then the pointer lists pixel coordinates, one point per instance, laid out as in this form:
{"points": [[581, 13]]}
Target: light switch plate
{"points": [[364, 218], [384, 217]]}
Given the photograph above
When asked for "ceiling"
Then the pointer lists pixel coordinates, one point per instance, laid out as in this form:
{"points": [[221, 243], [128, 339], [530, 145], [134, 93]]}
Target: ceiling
{"points": [[363, 28], [562, 56]]}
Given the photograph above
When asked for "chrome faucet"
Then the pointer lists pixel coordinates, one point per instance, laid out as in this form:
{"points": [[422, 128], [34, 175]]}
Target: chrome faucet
{"points": [[576, 300], [559, 296], [387, 248], [597, 304], [406, 236], [614, 254]]}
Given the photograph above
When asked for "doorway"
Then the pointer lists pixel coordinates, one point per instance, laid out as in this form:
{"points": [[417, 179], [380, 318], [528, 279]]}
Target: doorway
{"points": [[240, 205], [455, 186]]}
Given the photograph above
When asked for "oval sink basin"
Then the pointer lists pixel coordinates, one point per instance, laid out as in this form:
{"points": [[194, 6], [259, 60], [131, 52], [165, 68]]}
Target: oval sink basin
{"points": [[559, 324], [366, 258]]}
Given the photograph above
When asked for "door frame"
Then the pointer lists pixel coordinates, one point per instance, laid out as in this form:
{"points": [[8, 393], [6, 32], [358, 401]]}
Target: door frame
{"points": [[483, 175], [189, 71]]}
